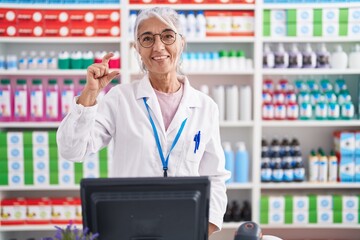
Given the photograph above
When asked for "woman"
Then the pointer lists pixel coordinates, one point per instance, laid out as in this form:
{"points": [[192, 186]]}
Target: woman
{"points": [[160, 125]]}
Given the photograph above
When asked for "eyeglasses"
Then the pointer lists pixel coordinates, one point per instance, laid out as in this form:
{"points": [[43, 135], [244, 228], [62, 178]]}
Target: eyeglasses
{"points": [[167, 37]]}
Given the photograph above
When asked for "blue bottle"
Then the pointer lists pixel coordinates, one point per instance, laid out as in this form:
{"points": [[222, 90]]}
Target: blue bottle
{"points": [[241, 163], [229, 160]]}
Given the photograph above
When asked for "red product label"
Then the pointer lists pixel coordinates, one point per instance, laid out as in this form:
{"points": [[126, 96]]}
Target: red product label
{"points": [[8, 30], [7, 16], [30, 30], [31, 16]]}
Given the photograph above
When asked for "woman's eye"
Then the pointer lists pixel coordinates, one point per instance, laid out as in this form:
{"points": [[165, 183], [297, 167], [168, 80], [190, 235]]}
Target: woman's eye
{"points": [[147, 39]]}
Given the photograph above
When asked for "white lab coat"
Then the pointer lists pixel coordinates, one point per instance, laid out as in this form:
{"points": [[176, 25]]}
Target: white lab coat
{"points": [[122, 116]]}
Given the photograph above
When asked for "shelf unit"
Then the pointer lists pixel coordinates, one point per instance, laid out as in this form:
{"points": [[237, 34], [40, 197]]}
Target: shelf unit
{"points": [[250, 131]]}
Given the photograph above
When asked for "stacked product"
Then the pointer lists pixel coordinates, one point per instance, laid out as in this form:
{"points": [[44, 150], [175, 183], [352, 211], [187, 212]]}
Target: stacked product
{"points": [[20, 211], [310, 209], [31, 158]]}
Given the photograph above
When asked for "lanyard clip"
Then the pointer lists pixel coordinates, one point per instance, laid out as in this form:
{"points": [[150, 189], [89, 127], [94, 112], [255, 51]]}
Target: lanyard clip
{"points": [[165, 171]]}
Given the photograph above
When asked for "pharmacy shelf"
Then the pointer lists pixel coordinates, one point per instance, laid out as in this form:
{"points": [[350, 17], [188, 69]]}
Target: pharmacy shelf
{"points": [[39, 188], [208, 72], [46, 72], [310, 39], [311, 71], [229, 124], [307, 185], [30, 228], [312, 123], [311, 226], [239, 186], [32, 125], [310, 5], [101, 40], [60, 6], [196, 6]]}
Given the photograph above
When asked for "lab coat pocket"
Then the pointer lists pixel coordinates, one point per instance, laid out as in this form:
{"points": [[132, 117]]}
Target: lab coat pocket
{"points": [[195, 155]]}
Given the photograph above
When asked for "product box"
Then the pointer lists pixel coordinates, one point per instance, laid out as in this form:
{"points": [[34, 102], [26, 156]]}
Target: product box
{"points": [[13, 211], [304, 15], [62, 210], [278, 29], [324, 202], [30, 30], [66, 179], [56, 30], [304, 29], [278, 16], [330, 15], [41, 165], [330, 29], [350, 217], [300, 203], [16, 179], [29, 16], [78, 211], [324, 216], [354, 14], [40, 152], [276, 217], [354, 29], [350, 203], [16, 165], [40, 138], [8, 30], [56, 16], [300, 217], [7, 16], [344, 143], [107, 17], [15, 138], [277, 203], [15, 152], [38, 211], [218, 23], [41, 178], [243, 23]]}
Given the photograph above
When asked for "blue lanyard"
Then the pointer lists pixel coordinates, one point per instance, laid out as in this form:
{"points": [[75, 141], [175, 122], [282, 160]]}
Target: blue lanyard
{"points": [[163, 160]]}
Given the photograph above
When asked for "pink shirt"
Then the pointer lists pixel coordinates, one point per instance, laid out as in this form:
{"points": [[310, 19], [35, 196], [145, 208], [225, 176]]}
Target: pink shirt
{"points": [[169, 103]]}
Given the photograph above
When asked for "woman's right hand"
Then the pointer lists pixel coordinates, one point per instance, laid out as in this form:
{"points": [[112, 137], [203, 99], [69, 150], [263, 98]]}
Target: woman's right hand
{"points": [[97, 78]]}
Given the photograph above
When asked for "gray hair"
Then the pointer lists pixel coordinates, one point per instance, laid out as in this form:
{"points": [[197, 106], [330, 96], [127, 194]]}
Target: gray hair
{"points": [[165, 14]]}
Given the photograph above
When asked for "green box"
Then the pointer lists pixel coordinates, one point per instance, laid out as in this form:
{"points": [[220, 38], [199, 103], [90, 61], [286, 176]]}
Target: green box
{"points": [[4, 166], [27, 137], [337, 202], [3, 139], [291, 30], [4, 179], [343, 15], [266, 16], [264, 217], [317, 30], [266, 30], [3, 153], [317, 15], [264, 204], [312, 202], [291, 16], [312, 217], [52, 139], [337, 216], [343, 29], [288, 218]]}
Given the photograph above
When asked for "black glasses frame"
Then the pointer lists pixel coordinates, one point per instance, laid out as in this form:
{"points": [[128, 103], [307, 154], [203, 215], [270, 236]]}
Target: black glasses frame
{"points": [[166, 30]]}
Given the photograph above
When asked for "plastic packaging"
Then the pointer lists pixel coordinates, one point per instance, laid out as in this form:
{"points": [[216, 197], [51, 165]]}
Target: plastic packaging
{"points": [[309, 57], [200, 25], [323, 57], [21, 101], [52, 101], [268, 57], [333, 167], [295, 57], [339, 58], [23, 61], [232, 101], [354, 58], [190, 25], [323, 166], [52, 61], [229, 160], [67, 96], [6, 106], [313, 167], [64, 60], [219, 97], [75, 60], [281, 57], [36, 100], [245, 103], [87, 59], [265, 167], [241, 163]]}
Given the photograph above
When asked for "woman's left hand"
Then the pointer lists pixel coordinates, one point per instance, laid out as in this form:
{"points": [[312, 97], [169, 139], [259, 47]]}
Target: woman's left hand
{"points": [[212, 228]]}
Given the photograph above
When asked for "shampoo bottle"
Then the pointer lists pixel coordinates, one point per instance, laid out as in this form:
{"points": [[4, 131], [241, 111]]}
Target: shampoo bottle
{"points": [[309, 57], [339, 58], [268, 57], [229, 160], [281, 57], [323, 57], [295, 57], [241, 163], [354, 58]]}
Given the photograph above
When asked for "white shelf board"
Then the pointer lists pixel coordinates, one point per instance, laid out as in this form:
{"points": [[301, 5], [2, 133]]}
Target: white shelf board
{"points": [[196, 6], [310, 5], [310, 226], [99, 40], [310, 39], [313, 71], [30, 228], [308, 185], [39, 188], [29, 124], [311, 123], [239, 186], [225, 124], [60, 6], [46, 72]]}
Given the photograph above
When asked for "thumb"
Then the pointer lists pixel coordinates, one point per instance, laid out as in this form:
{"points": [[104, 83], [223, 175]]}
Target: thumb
{"points": [[112, 75]]}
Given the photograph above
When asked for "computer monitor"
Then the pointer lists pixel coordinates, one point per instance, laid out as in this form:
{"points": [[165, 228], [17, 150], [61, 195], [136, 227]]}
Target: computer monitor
{"points": [[172, 208]]}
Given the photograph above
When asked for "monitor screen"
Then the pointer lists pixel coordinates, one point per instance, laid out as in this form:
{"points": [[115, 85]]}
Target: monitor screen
{"points": [[173, 208]]}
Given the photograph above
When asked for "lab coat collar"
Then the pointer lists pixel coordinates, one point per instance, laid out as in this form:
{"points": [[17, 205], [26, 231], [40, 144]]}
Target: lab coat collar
{"points": [[190, 99]]}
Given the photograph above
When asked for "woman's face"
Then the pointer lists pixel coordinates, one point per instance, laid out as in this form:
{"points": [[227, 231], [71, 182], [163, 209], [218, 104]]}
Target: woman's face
{"points": [[159, 58]]}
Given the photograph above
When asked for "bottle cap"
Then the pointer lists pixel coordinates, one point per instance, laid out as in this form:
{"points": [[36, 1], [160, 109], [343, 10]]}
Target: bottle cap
{"points": [[21, 81], [240, 146], [226, 146], [68, 81], [5, 81], [240, 53], [36, 81], [223, 53], [82, 81], [52, 81]]}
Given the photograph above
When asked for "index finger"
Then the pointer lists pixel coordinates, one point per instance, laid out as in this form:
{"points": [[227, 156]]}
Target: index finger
{"points": [[107, 57]]}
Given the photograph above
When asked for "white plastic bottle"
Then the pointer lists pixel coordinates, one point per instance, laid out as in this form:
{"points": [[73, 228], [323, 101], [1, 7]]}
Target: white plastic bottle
{"points": [[323, 57], [309, 57], [183, 22], [232, 103], [42, 60], [354, 58], [219, 97], [191, 25], [33, 60], [268, 57], [52, 62], [23, 61], [132, 19], [281, 57], [245, 103], [200, 25], [339, 58], [229, 160], [295, 57]]}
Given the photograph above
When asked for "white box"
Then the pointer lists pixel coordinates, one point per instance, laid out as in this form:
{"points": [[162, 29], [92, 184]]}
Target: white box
{"points": [[41, 165], [65, 166], [66, 178], [350, 203], [15, 152], [39, 212], [91, 174], [15, 138], [16, 165], [278, 30], [330, 15], [354, 15], [304, 29], [350, 217], [304, 15], [300, 203], [40, 138], [41, 179], [276, 203], [324, 202], [91, 165], [353, 29], [276, 217], [330, 29], [41, 152], [300, 217], [324, 216], [277, 16], [16, 179]]}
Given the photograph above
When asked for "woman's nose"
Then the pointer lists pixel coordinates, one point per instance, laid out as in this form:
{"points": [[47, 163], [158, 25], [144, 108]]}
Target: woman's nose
{"points": [[158, 44]]}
